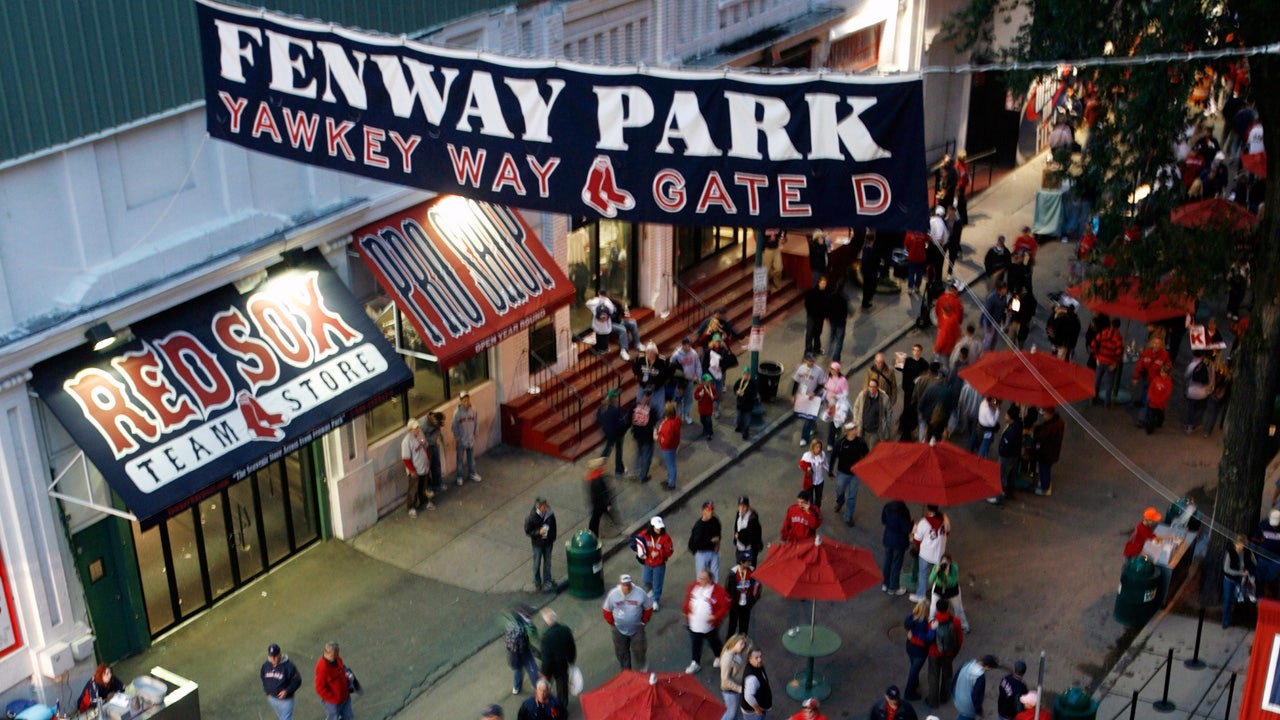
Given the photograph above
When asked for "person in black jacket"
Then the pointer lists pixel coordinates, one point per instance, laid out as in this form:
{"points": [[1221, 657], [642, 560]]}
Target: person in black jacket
{"points": [[600, 500], [1063, 329], [748, 538], [613, 424], [745, 392], [1010, 453], [996, 262], [836, 313], [757, 695], [704, 542], [558, 652], [744, 591], [540, 526], [653, 372], [1012, 688], [815, 310], [849, 449], [280, 680], [902, 709]]}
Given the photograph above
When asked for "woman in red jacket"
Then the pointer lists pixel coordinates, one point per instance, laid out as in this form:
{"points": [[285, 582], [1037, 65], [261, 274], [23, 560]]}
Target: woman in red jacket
{"points": [[669, 442], [331, 684], [1158, 393], [950, 312]]}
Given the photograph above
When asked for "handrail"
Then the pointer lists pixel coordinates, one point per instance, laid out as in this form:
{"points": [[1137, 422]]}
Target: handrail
{"points": [[976, 158], [690, 306], [561, 394]]}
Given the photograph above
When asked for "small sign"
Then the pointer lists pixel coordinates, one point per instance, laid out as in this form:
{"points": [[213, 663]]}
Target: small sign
{"points": [[755, 343], [760, 280], [759, 304]]}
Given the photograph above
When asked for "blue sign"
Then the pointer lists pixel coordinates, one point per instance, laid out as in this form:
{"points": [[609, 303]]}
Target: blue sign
{"points": [[693, 148]]}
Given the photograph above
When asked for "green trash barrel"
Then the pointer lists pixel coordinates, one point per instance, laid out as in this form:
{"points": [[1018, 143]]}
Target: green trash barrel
{"points": [[1139, 586], [586, 569], [1075, 704]]}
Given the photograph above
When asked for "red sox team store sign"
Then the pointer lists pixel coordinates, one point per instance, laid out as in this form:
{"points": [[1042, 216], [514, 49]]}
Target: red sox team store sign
{"points": [[676, 147], [222, 386]]}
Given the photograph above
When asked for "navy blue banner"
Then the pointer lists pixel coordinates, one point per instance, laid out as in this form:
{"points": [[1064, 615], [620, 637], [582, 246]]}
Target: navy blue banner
{"points": [[675, 147], [222, 385]]}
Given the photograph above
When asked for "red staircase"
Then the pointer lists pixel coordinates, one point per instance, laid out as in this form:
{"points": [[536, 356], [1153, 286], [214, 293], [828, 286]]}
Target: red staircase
{"points": [[559, 420]]}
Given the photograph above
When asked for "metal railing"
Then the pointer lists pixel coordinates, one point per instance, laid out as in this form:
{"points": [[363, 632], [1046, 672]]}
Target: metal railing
{"points": [[986, 157], [689, 306], [559, 394]]}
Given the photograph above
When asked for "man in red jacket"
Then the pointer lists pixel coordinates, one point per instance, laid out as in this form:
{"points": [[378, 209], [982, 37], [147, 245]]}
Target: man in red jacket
{"points": [[705, 606], [1108, 350], [802, 520], [331, 684]]}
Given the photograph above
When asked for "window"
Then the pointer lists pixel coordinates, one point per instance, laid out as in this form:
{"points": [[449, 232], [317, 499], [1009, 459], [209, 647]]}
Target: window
{"points": [[631, 42], [431, 385]]}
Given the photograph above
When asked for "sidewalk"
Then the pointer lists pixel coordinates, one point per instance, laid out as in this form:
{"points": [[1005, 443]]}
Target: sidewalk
{"points": [[415, 602]]}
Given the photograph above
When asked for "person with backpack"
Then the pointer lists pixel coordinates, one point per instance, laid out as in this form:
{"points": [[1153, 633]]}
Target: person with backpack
{"points": [[654, 548], [519, 637], [642, 431], [1199, 387], [948, 638]]}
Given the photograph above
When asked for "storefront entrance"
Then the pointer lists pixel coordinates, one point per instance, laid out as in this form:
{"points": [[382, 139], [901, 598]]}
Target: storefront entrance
{"points": [[694, 245], [199, 556], [603, 255]]}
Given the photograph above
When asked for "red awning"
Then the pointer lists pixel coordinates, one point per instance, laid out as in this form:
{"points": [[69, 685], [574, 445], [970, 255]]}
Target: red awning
{"points": [[1261, 698], [466, 274]]}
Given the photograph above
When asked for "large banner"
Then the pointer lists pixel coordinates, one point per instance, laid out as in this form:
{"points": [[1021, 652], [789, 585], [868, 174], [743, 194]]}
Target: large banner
{"points": [[694, 148], [221, 386], [466, 274]]}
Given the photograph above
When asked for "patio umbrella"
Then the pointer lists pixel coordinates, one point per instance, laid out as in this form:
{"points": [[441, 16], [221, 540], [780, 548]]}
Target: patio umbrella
{"points": [[1004, 374], [1255, 163], [937, 473], [1126, 303], [1214, 212], [633, 695]]}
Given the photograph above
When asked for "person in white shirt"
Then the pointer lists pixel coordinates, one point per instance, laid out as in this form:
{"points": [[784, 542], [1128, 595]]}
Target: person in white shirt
{"points": [[930, 538]]}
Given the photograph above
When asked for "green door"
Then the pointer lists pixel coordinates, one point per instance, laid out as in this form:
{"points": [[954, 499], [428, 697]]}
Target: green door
{"points": [[105, 561]]}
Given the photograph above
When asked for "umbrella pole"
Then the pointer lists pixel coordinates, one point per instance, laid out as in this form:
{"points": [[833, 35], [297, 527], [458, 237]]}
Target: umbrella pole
{"points": [[813, 607]]}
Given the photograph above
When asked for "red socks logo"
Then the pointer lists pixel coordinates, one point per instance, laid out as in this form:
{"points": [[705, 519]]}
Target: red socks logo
{"points": [[261, 423], [601, 191]]}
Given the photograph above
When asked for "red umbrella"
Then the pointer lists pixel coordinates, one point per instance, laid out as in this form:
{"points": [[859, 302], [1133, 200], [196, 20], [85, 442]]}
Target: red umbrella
{"points": [[1214, 212], [633, 695], [1004, 374], [930, 474], [1126, 303], [1255, 163], [823, 569]]}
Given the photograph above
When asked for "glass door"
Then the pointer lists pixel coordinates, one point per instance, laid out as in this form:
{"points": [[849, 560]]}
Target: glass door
{"points": [[603, 255]]}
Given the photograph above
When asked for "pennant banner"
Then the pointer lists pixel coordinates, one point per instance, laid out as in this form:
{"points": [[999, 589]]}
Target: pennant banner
{"points": [[694, 148]]}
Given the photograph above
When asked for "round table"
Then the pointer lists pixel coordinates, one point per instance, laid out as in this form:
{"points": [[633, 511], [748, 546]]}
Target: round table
{"points": [[810, 642]]}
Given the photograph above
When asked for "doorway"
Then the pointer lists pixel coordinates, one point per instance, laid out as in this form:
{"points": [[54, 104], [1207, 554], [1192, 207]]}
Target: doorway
{"points": [[603, 255], [112, 590], [201, 555]]}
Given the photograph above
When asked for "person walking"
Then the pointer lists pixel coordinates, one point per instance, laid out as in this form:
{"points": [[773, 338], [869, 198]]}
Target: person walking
{"points": [[744, 591], [1199, 386], [944, 582], [984, 431], [919, 639], [971, 687], [654, 548], [892, 707], [748, 537], [801, 521], [849, 449], [733, 667], [493, 711], [613, 423], [519, 637], [332, 685], [280, 681], [1012, 687], [686, 366], [836, 313], [705, 606], [600, 499], [627, 609], [643, 425], [896, 519], [466, 424], [872, 412], [669, 442], [994, 312], [814, 466], [559, 651], [806, 383], [704, 541], [540, 527], [948, 638], [914, 367], [1107, 348], [417, 467], [706, 396], [815, 306], [757, 695], [542, 706], [930, 538], [745, 392], [1048, 438]]}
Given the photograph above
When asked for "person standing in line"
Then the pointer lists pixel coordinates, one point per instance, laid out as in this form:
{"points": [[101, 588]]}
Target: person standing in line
{"points": [[611, 418], [948, 638], [733, 666], [748, 537], [835, 401], [331, 684], [704, 541], [542, 706], [1063, 328], [652, 372], [669, 442], [434, 433], [950, 313], [1158, 394], [757, 695], [1199, 385], [417, 467], [1048, 437], [892, 707], [643, 424], [686, 366], [971, 687], [558, 652], [806, 383], [882, 373], [600, 499], [849, 449], [1009, 453], [627, 609], [744, 591], [1012, 687], [706, 396], [280, 681], [745, 393], [896, 519], [466, 423], [654, 548], [996, 263], [519, 637], [962, 189], [1237, 570], [873, 412], [930, 539], [705, 606], [540, 527]]}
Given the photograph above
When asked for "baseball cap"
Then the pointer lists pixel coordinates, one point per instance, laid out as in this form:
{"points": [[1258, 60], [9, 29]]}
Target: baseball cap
{"points": [[835, 365], [464, 394], [1030, 698], [851, 425], [625, 579], [657, 523], [808, 356], [1019, 667], [744, 500], [491, 711], [990, 661], [939, 211], [1151, 514], [273, 650], [811, 703], [686, 341], [892, 692], [708, 504]]}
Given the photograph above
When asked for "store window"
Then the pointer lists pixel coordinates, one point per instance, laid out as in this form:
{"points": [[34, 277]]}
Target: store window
{"points": [[693, 245], [603, 255], [431, 385]]}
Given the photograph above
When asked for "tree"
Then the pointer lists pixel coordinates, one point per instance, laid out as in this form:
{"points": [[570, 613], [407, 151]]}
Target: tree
{"points": [[1143, 103]]}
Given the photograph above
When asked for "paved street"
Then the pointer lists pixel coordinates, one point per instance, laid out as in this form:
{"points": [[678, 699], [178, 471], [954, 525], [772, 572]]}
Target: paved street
{"points": [[415, 603]]}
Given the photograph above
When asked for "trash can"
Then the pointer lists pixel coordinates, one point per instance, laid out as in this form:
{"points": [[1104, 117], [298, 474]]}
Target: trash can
{"points": [[769, 375], [1075, 704], [1139, 586], [586, 569]]}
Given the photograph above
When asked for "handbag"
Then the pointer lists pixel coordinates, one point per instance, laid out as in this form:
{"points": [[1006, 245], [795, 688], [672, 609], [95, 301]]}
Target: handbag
{"points": [[575, 680], [353, 682]]}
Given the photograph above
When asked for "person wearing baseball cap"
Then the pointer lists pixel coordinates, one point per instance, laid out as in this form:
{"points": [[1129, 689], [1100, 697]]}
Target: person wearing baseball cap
{"points": [[704, 542], [1145, 530], [1012, 687], [892, 706], [280, 680], [491, 712], [654, 548], [627, 609], [809, 711], [465, 427]]}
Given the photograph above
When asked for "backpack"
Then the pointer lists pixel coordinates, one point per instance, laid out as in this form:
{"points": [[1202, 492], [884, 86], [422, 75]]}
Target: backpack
{"points": [[515, 638], [945, 638], [640, 543], [640, 414], [1200, 374]]}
